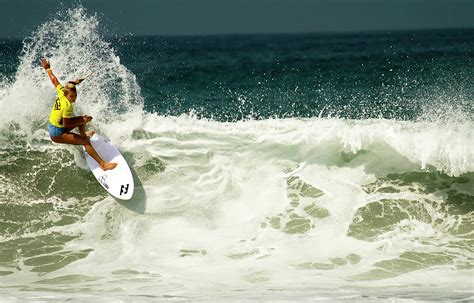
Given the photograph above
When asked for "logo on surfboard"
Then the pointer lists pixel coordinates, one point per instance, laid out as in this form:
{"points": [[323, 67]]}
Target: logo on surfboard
{"points": [[103, 180], [124, 189]]}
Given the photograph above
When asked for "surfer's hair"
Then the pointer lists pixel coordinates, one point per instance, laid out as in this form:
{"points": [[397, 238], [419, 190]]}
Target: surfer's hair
{"points": [[70, 86]]}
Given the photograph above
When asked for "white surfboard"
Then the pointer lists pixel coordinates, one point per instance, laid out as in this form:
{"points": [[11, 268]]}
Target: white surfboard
{"points": [[118, 181]]}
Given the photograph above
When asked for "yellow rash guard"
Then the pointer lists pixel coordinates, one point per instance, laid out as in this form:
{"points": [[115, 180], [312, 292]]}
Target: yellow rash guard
{"points": [[62, 108]]}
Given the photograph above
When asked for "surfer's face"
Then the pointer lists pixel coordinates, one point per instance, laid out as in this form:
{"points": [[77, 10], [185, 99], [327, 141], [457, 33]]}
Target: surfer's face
{"points": [[71, 95]]}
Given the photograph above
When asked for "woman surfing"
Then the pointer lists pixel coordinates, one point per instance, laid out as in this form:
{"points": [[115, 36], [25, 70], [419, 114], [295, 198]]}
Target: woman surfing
{"points": [[61, 121]]}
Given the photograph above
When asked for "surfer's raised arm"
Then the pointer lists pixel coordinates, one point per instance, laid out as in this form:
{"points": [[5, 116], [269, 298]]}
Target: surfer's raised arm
{"points": [[47, 67]]}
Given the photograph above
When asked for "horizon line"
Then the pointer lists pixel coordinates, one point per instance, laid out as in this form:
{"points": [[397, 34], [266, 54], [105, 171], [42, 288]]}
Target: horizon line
{"points": [[334, 32]]}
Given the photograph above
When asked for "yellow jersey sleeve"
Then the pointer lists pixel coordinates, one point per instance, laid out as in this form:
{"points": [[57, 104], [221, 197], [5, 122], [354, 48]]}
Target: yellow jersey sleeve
{"points": [[60, 90]]}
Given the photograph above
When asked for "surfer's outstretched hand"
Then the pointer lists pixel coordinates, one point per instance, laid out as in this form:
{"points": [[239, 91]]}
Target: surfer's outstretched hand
{"points": [[45, 63]]}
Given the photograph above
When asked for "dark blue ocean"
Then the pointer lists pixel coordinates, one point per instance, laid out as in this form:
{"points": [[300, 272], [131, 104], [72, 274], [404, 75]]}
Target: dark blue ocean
{"points": [[392, 75], [283, 167], [357, 76]]}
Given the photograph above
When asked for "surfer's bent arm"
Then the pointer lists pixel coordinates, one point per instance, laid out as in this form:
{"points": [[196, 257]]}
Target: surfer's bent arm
{"points": [[76, 121]]}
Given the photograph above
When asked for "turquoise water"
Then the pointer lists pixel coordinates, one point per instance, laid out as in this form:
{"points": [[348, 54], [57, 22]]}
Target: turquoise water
{"points": [[268, 167]]}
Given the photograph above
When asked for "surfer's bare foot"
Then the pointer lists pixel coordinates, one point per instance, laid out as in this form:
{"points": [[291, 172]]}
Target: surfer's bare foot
{"points": [[90, 133], [108, 166]]}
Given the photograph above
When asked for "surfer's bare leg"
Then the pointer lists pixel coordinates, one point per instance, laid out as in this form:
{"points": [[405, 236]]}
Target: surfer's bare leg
{"points": [[71, 138]]}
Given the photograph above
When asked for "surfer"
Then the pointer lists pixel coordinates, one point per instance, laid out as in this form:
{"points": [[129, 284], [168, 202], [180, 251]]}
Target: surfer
{"points": [[61, 121]]}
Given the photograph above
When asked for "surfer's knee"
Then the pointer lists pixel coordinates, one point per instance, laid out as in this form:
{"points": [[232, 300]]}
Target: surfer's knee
{"points": [[56, 139], [86, 142]]}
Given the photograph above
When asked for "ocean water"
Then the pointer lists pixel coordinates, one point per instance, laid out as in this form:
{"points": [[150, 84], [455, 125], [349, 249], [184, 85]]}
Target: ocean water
{"points": [[275, 168]]}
